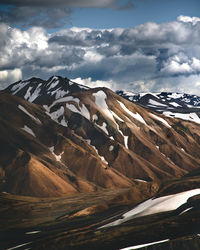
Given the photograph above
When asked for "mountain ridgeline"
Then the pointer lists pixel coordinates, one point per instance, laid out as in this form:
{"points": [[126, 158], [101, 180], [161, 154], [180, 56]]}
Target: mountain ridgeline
{"points": [[61, 138]]}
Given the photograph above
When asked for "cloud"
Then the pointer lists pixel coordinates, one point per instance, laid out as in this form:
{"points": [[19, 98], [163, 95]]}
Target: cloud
{"points": [[98, 83], [188, 19], [70, 3], [181, 64], [9, 76], [150, 56], [51, 14], [27, 16]]}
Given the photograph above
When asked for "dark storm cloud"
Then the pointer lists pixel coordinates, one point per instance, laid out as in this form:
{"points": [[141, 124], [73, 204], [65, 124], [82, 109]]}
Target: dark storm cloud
{"points": [[27, 16], [72, 3], [50, 14], [147, 57]]}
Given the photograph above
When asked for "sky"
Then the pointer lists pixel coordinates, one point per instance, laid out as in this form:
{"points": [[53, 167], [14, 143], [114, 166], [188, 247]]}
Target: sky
{"points": [[134, 45]]}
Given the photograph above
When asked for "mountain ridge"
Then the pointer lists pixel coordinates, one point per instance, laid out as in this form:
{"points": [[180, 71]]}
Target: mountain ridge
{"points": [[120, 140]]}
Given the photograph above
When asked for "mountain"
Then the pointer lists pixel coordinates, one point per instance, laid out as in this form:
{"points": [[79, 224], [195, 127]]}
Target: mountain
{"points": [[101, 138], [88, 168], [177, 105]]}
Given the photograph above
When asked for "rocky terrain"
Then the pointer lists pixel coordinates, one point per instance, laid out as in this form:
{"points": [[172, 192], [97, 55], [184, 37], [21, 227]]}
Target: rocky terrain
{"points": [[75, 160]]}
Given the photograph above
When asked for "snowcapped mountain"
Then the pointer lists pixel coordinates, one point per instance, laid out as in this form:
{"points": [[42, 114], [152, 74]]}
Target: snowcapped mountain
{"points": [[39, 91], [177, 105], [102, 138], [99, 153]]}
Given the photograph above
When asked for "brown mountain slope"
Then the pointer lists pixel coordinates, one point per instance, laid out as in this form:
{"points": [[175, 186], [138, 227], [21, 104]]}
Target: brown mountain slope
{"points": [[31, 150], [90, 139]]}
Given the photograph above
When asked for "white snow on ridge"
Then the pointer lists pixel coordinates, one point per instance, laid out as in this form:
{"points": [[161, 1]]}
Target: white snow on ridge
{"points": [[150, 93], [175, 104], [16, 88], [135, 116], [83, 110], [28, 93], [65, 99], [55, 78], [28, 130], [162, 120], [100, 100], [188, 117], [153, 102], [56, 114], [60, 93], [156, 205], [54, 83], [175, 95], [35, 94], [26, 112]]}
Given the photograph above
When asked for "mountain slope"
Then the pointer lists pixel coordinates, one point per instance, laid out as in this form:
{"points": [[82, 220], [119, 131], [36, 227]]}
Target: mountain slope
{"points": [[102, 138], [36, 154]]}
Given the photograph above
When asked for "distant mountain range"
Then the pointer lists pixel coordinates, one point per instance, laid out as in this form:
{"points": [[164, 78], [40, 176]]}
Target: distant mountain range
{"points": [[59, 138], [177, 105]]}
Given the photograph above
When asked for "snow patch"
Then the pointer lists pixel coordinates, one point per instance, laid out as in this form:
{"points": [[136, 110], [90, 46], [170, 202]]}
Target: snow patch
{"points": [[63, 122], [56, 114], [33, 232], [94, 117], [83, 110], [188, 117], [111, 148], [16, 88], [126, 141], [175, 95], [161, 120], [58, 157], [186, 210], [28, 93], [116, 116], [153, 102], [140, 180], [53, 83], [135, 116], [35, 93], [65, 99], [175, 104], [100, 100], [103, 127], [101, 157], [28, 130], [156, 205], [19, 246], [26, 112], [145, 245], [60, 93]]}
